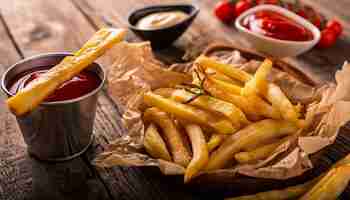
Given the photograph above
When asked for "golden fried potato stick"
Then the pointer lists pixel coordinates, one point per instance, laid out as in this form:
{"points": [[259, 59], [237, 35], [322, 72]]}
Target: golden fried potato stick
{"points": [[292, 192], [37, 91], [225, 86], [280, 101], [226, 69], [257, 133], [212, 104], [190, 113], [215, 140], [258, 84], [254, 106], [154, 143], [200, 151], [259, 153], [330, 186], [288, 193], [222, 77], [172, 136]]}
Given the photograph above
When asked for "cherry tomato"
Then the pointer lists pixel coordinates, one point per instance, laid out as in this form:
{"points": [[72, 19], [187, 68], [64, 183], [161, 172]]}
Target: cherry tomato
{"points": [[328, 38], [274, 2], [225, 11], [317, 21], [335, 26], [289, 6], [241, 6], [302, 13]]}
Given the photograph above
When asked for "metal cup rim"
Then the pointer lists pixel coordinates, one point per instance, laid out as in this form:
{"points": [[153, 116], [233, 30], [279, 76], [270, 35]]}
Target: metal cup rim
{"points": [[4, 88]]}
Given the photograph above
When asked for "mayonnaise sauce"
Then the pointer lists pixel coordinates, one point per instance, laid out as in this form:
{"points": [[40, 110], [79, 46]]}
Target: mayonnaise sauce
{"points": [[161, 20]]}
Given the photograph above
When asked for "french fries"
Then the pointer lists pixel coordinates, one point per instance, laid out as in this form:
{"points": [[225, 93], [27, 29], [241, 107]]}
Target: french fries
{"points": [[244, 116], [257, 154], [250, 137], [226, 69], [258, 84], [154, 144], [280, 101], [288, 193], [297, 191], [189, 113], [222, 77], [200, 151], [331, 185], [171, 133], [205, 102], [37, 91], [228, 87], [214, 141]]}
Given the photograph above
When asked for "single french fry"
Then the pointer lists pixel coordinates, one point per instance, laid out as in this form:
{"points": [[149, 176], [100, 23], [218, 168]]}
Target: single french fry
{"points": [[258, 84], [37, 91], [226, 69], [154, 143], [262, 107], [225, 86], [331, 185], [280, 101], [288, 193], [172, 135], [215, 140], [222, 77], [212, 104], [257, 133], [292, 192], [240, 101], [190, 113], [257, 154], [200, 151]]}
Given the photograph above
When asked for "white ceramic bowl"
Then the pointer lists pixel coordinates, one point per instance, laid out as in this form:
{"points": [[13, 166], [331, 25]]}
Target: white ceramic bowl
{"points": [[275, 47]]}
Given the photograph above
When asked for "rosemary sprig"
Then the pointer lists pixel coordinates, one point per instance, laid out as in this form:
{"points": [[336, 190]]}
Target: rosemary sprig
{"points": [[200, 90]]}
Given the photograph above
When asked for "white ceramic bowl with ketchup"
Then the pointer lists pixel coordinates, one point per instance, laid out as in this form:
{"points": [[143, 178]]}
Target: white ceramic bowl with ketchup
{"points": [[273, 47]]}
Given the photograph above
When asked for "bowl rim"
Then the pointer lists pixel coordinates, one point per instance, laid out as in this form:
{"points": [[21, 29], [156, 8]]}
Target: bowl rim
{"points": [[285, 12], [54, 54], [194, 13]]}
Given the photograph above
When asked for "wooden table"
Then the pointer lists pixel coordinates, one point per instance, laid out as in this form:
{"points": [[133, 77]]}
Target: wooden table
{"points": [[29, 27]]}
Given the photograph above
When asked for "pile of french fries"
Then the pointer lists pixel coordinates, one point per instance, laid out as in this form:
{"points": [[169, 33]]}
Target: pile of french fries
{"points": [[225, 117]]}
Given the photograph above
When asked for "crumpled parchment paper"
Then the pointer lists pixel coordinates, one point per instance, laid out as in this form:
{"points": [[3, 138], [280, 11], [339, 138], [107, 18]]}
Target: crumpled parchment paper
{"points": [[135, 71]]}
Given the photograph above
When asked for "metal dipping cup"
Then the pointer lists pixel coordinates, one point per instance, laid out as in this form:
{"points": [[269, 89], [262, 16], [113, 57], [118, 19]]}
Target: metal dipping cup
{"points": [[56, 131]]}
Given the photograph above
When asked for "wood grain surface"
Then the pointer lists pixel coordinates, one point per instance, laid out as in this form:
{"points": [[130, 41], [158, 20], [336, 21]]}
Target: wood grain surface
{"points": [[29, 27]]}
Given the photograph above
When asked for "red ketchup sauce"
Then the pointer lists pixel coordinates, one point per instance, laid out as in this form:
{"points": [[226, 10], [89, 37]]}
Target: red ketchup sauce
{"points": [[79, 85], [275, 25]]}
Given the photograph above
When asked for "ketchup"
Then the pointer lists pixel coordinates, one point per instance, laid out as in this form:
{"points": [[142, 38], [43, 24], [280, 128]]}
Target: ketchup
{"points": [[275, 25], [79, 85]]}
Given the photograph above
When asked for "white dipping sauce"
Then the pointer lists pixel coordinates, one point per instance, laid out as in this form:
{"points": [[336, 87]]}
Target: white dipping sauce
{"points": [[161, 20]]}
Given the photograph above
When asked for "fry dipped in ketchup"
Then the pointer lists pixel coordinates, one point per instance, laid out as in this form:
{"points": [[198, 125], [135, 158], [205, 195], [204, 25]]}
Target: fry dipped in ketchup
{"points": [[38, 90]]}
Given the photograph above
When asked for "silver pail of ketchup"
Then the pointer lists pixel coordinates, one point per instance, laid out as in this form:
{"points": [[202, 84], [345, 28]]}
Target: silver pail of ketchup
{"points": [[60, 128]]}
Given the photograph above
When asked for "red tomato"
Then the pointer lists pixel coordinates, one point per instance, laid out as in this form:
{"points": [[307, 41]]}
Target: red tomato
{"points": [[225, 11], [335, 26], [328, 38], [289, 6], [317, 21], [302, 13], [274, 2], [241, 6]]}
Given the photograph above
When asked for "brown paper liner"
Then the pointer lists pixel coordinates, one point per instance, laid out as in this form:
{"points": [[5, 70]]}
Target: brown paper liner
{"points": [[136, 71]]}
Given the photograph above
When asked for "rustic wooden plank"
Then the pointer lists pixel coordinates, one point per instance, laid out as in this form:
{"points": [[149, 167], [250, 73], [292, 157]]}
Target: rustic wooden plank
{"points": [[52, 30], [23, 177], [14, 169]]}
